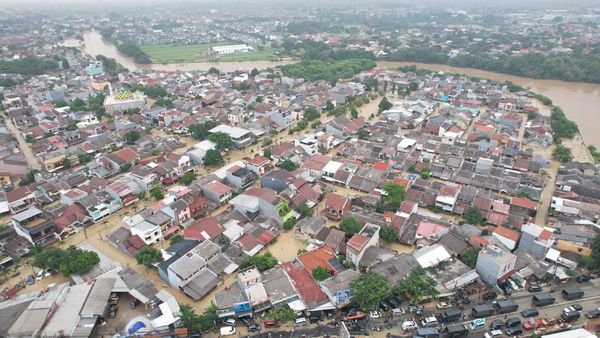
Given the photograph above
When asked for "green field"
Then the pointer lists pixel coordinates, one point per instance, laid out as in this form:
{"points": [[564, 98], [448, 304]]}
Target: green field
{"points": [[167, 53]]}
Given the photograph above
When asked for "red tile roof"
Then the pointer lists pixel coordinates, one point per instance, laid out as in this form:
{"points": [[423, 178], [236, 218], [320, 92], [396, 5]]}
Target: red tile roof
{"points": [[524, 203], [545, 234], [337, 202], [358, 241], [381, 166], [407, 206], [499, 207], [203, 228], [248, 242], [218, 187], [126, 154], [430, 230], [307, 287], [496, 218], [258, 160], [318, 257], [265, 194], [474, 239], [507, 233]]}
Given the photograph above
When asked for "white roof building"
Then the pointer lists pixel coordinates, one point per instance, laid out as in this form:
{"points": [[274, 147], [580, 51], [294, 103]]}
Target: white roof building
{"points": [[431, 255]]}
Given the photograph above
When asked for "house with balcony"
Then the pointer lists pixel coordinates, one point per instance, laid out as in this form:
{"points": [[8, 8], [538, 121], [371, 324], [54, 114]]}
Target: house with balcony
{"points": [[239, 177], [217, 192], [259, 165], [179, 211], [100, 204], [250, 281], [35, 225], [241, 137], [70, 220], [20, 199], [446, 199], [283, 119], [265, 202], [494, 264], [127, 189], [360, 242], [336, 206]]}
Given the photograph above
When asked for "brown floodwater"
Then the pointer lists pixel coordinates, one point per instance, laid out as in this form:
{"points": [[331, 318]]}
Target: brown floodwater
{"points": [[579, 100]]}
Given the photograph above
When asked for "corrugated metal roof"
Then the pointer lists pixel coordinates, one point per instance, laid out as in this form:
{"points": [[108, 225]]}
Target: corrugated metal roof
{"points": [[97, 299]]}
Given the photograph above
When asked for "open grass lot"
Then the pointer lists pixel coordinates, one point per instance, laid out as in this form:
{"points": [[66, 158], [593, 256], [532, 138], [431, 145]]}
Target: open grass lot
{"points": [[167, 53]]}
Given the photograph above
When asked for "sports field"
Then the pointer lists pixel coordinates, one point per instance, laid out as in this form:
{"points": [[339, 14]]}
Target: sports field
{"points": [[167, 53]]}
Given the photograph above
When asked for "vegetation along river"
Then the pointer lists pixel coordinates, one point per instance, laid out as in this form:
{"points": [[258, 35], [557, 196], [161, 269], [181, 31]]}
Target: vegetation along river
{"points": [[580, 101]]}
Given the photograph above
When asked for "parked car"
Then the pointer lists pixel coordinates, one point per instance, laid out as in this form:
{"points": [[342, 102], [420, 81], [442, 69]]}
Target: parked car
{"points": [[429, 321], [384, 306], [514, 331], [443, 305], [227, 330], [398, 311], [528, 326], [409, 325], [413, 308], [30, 280], [490, 295], [253, 327], [529, 313], [593, 314], [271, 323], [229, 321], [493, 333], [374, 314], [496, 324], [583, 278], [40, 275]]}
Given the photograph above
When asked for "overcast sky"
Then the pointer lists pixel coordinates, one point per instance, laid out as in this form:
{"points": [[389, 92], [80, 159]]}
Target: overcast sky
{"points": [[107, 4]]}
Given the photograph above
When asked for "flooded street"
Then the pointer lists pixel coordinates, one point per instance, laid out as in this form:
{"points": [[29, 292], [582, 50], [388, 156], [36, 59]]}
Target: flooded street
{"points": [[32, 161]]}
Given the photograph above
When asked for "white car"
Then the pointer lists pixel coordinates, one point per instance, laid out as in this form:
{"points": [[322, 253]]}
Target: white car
{"points": [[227, 330], [398, 311], [443, 305], [493, 333], [40, 275], [374, 314], [429, 321], [229, 322], [409, 325]]}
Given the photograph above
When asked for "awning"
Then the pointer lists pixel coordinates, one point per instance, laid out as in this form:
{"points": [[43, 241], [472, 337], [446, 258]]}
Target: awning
{"points": [[326, 306], [297, 305]]}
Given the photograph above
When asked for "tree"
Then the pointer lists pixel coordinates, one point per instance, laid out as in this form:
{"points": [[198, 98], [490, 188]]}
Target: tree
{"points": [[221, 140], [593, 261], [350, 225], [470, 257], [267, 153], [369, 289], [213, 157], [315, 124], [474, 216], [84, 158], [425, 173], [388, 234], [418, 285], [261, 262], [66, 162], [131, 136], [320, 273], [394, 192], [304, 210], [176, 238], [362, 134], [384, 104], [188, 178], [288, 165], [67, 262], [412, 168], [329, 105], [213, 70], [301, 125], [189, 318], [311, 113], [29, 138], [201, 131], [354, 113], [156, 193], [282, 315], [562, 154], [289, 223], [147, 256]]}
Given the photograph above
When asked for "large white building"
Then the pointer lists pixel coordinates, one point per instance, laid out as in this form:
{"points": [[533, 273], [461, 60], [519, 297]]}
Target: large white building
{"points": [[232, 49], [124, 100]]}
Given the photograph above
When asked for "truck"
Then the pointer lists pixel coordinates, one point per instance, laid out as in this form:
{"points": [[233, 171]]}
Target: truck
{"points": [[450, 315], [482, 310], [506, 306], [427, 332], [572, 293], [542, 299], [458, 330]]}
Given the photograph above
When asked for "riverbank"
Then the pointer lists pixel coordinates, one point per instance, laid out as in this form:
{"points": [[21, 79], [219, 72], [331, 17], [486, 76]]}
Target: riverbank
{"points": [[580, 101]]}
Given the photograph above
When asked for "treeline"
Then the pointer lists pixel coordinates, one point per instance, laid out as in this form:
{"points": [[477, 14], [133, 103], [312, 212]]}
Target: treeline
{"points": [[574, 67], [312, 50], [330, 70], [131, 49], [27, 66], [561, 125], [110, 65]]}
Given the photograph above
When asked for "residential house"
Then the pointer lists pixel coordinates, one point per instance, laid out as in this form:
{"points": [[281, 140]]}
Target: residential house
{"points": [[509, 238], [20, 198], [260, 201], [494, 264], [446, 199], [360, 242], [337, 288], [35, 225], [277, 180], [536, 239], [239, 177], [259, 165], [240, 137], [336, 206], [217, 192], [70, 220]]}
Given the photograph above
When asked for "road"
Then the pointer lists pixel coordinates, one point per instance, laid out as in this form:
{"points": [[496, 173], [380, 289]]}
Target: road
{"points": [[32, 161]]}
